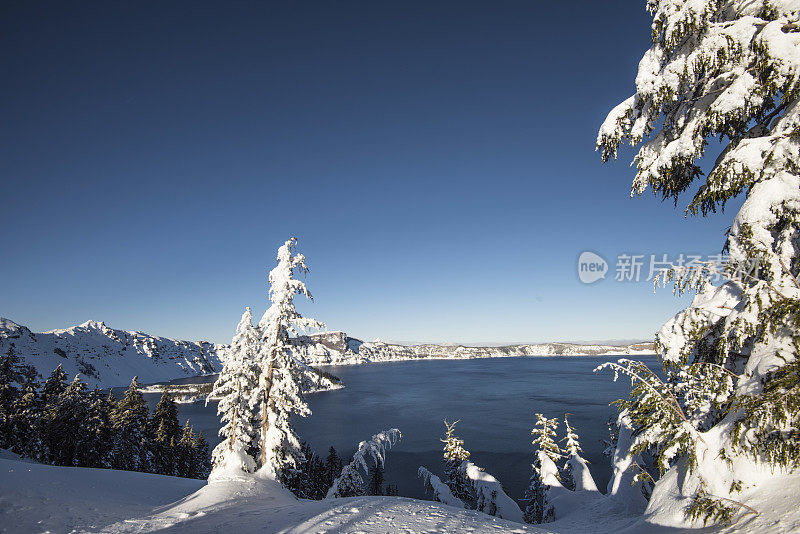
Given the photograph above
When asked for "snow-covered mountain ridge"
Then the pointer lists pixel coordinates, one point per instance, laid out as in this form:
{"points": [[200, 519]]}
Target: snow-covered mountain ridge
{"points": [[107, 357]]}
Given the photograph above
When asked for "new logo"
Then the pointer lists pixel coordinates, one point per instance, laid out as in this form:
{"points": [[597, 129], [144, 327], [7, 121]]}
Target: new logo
{"points": [[591, 267]]}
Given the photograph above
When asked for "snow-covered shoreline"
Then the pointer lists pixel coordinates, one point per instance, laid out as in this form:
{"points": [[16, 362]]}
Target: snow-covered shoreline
{"points": [[336, 348], [189, 393], [462, 358], [107, 357]]}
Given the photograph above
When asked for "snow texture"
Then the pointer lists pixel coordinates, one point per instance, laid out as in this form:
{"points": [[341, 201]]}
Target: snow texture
{"points": [[580, 474], [621, 488], [440, 492], [491, 499], [39, 498]]}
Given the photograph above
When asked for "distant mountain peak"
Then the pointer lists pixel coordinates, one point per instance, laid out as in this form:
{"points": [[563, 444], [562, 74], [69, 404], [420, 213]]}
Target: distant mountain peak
{"points": [[8, 324], [107, 357], [99, 325]]}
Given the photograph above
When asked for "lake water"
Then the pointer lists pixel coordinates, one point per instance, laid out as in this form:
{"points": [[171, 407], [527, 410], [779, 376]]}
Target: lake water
{"points": [[495, 400]]}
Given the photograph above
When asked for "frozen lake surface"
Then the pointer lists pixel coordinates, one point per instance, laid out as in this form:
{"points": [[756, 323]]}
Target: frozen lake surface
{"points": [[494, 398]]}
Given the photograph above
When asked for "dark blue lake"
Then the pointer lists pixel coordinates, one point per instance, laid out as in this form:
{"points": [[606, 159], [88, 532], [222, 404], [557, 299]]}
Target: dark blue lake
{"points": [[495, 400]]}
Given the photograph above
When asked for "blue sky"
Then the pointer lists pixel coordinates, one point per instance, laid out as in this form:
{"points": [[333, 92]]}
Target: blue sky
{"points": [[435, 159]]}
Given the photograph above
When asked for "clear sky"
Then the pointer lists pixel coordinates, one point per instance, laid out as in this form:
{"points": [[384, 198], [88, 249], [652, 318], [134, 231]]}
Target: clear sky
{"points": [[435, 159]]}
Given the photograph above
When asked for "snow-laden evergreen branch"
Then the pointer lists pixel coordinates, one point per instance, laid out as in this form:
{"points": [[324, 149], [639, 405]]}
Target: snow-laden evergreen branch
{"points": [[350, 482], [439, 490], [491, 498], [575, 473], [538, 508], [572, 447], [654, 408], [454, 454]]}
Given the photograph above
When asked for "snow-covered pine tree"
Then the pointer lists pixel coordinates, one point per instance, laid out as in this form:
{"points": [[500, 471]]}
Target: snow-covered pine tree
{"points": [[191, 454], [185, 452], [454, 455], [317, 478], [376, 479], [202, 458], [99, 429], [544, 437], [572, 448], [311, 482], [70, 424], [350, 483], [130, 423], [166, 432], [438, 489], [728, 70], [575, 474], [490, 497], [27, 429], [333, 467], [55, 384], [538, 508], [235, 389], [8, 396], [278, 392]]}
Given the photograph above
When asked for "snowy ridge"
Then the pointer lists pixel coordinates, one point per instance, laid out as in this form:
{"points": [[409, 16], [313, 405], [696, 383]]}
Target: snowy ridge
{"points": [[336, 348], [106, 357]]}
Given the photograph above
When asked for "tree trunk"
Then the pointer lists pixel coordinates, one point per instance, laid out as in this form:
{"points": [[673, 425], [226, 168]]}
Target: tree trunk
{"points": [[265, 409]]}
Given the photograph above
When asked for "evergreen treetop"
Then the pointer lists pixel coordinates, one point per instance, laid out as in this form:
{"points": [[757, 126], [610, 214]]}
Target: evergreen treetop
{"points": [[572, 446], [55, 384], [453, 446], [544, 434], [165, 420]]}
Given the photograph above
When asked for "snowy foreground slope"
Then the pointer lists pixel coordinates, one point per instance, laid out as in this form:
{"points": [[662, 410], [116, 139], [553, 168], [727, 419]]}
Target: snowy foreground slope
{"points": [[40, 498], [107, 357]]}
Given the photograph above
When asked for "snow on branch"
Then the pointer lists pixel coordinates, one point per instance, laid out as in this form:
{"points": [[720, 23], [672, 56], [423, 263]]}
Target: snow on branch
{"points": [[438, 489], [492, 500], [350, 482], [658, 411]]}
